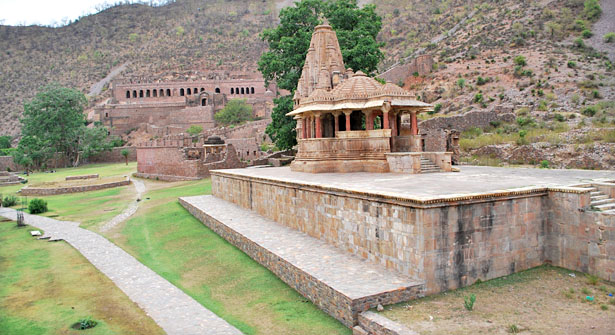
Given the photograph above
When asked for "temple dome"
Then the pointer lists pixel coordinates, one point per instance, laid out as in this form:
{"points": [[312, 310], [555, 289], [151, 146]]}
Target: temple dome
{"points": [[359, 85]]}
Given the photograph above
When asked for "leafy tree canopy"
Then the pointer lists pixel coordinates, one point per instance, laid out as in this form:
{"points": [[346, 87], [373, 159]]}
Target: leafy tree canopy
{"points": [[194, 130], [356, 30], [236, 111], [55, 116], [5, 142], [53, 122]]}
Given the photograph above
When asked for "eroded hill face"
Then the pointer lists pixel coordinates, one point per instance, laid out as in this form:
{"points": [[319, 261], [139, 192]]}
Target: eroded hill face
{"points": [[473, 44]]}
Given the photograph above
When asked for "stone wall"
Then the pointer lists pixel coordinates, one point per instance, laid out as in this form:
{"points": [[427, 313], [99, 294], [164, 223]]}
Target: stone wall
{"points": [[468, 120], [114, 156], [421, 64], [343, 308], [72, 189], [6, 164], [166, 160], [371, 323], [448, 244], [580, 239]]}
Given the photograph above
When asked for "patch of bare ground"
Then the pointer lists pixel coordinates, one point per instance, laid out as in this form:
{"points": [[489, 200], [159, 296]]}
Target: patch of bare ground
{"points": [[543, 300]]}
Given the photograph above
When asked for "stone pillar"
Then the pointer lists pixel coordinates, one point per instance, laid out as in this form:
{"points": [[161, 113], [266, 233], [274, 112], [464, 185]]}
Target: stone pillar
{"points": [[394, 124], [385, 115], [308, 126], [347, 113], [415, 126], [336, 115], [318, 126], [369, 122], [304, 127]]}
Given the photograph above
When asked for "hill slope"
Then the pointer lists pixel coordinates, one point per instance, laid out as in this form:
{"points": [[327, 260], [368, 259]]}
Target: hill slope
{"points": [[474, 64]]}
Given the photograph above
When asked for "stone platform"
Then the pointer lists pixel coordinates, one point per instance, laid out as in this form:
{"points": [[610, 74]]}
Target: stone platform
{"points": [[341, 284]]}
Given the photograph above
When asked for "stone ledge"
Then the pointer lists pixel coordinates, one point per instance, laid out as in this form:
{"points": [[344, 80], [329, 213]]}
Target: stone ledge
{"points": [[387, 197], [163, 177], [376, 324], [85, 176], [340, 284], [73, 189]]}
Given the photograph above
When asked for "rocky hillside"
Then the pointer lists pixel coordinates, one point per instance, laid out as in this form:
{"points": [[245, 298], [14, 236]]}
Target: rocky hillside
{"points": [[545, 61], [172, 41]]}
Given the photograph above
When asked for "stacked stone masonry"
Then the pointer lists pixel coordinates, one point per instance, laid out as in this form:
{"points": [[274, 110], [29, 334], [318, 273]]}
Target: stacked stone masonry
{"points": [[355, 288], [449, 243], [72, 189]]}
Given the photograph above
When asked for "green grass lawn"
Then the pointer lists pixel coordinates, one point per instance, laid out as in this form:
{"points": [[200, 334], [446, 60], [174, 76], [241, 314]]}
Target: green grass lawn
{"points": [[46, 287], [89, 208], [166, 238]]}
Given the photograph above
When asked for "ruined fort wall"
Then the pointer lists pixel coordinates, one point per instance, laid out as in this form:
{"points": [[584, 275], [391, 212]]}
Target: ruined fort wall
{"points": [[468, 120], [166, 160], [177, 90], [121, 119]]}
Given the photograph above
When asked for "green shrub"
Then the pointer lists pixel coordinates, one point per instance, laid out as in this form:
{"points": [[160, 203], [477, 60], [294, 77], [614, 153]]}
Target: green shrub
{"points": [[559, 117], [578, 42], [592, 280], [520, 60], [495, 123], [87, 323], [604, 307], [592, 10], [468, 302], [609, 37], [542, 105], [37, 206], [587, 33], [544, 164], [478, 98], [437, 108], [525, 121], [481, 81], [461, 82], [514, 329], [579, 25], [9, 201], [572, 64], [590, 111]]}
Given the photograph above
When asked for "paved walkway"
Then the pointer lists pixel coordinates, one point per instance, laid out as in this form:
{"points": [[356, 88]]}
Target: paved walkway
{"points": [[173, 310], [128, 212]]}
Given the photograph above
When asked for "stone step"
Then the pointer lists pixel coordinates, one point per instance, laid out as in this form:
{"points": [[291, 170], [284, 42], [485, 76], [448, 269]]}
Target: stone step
{"points": [[594, 193], [599, 197], [341, 284], [605, 206], [602, 202]]}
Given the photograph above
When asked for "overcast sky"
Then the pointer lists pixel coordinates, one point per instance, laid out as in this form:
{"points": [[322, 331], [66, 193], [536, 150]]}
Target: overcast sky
{"points": [[46, 12]]}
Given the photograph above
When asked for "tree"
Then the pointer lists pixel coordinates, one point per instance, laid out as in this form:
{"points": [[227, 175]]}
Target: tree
{"points": [[356, 30], [92, 141], [32, 152], [5, 142], [125, 153], [236, 111], [55, 117], [194, 130]]}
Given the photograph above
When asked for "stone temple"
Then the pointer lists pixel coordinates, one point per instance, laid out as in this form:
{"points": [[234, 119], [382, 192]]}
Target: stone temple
{"points": [[349, 122], [350, 241]]}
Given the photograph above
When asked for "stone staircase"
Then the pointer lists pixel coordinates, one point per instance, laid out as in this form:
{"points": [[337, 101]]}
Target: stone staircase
{"points": [[601, 202], [427, 166]]}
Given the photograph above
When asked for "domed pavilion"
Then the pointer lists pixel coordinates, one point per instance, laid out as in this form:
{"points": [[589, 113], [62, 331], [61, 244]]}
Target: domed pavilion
{"points": [[349, 122]]}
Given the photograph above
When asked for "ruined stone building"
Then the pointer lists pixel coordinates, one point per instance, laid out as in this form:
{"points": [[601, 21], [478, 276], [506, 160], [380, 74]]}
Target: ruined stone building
{"points": [[170, 107]]}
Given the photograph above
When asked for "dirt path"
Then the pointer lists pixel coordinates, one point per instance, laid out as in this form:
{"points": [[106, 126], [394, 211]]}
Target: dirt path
{"points": [[172, 309], [128, 212]]}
